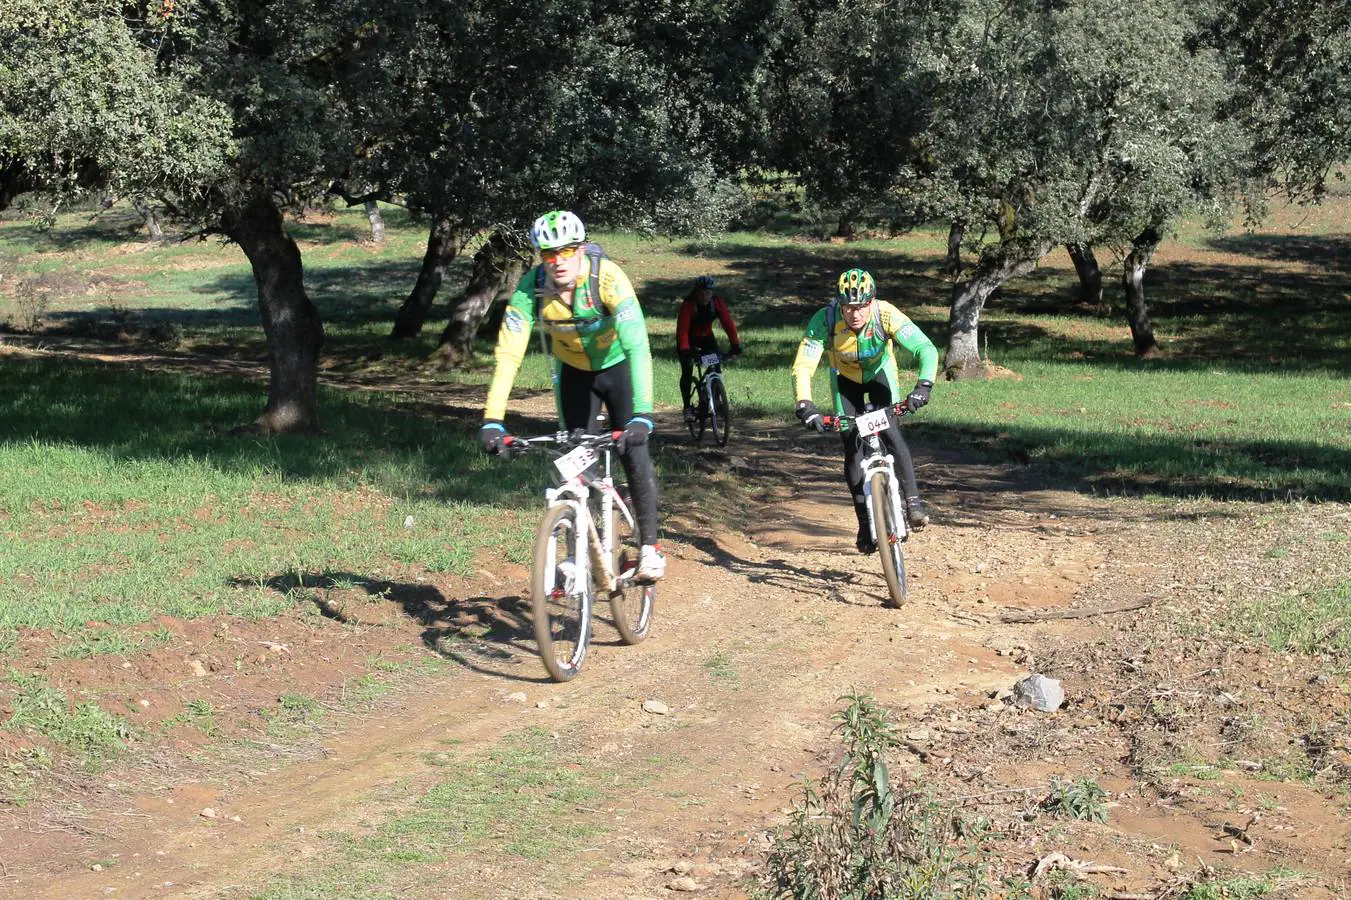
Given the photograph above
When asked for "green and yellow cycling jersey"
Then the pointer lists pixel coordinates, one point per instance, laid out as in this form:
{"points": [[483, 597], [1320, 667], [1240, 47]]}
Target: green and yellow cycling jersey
{"points": [[862, 357], [587, 333]]}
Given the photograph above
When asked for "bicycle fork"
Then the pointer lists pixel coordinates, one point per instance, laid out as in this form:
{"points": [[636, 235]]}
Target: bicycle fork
{"points": [[599, 549], [886, 464]]}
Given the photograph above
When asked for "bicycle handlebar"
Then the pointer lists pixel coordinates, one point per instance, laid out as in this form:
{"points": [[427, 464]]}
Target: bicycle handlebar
{"points": [[563, 439], [838, 423]]}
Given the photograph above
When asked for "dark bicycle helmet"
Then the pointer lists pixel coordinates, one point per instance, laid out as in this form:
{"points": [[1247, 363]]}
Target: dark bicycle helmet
{"points": [[704, 283]]}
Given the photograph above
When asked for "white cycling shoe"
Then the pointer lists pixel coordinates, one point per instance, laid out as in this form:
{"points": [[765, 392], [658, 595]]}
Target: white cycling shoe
{"points": [[651, 565]]}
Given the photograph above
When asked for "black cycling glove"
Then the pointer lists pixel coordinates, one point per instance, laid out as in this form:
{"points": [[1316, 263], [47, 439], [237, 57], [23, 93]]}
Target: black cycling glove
{"points": [[919, 394], [809, 416]]}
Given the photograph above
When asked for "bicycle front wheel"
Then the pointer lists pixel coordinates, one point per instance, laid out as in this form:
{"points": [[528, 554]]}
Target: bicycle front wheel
{"points": [[700, 419], [630, 603], [560, 598], [887, 528], [722, 414]]}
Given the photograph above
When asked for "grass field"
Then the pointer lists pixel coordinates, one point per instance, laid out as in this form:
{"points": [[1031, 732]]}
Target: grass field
{"points": [[122, 496]]}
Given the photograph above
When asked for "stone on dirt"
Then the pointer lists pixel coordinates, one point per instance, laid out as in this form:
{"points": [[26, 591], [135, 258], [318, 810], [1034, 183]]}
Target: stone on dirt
{"points": [[656, 707], [685, 884], [1039, 692], [516, 697]]}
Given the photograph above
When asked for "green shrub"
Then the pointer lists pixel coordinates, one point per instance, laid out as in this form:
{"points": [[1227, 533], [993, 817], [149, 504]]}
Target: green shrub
{"points": [[1081, 799], [855, 834]]}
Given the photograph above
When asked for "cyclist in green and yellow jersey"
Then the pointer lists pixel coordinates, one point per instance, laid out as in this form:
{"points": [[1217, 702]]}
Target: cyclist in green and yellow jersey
{"points": [[856, 332], [586, 305]]}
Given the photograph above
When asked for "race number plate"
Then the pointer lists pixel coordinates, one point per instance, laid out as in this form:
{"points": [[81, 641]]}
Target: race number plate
{"points": [[708, 359], [575, 462], [871, 423]]}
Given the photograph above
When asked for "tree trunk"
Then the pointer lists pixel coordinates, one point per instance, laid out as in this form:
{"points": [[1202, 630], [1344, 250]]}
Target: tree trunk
{"points": [[845, 227], [953, 266], [443, 245], [1090, 276], [149, 216], [497, 267], [377, 222], [968, 299], [290, 321], [1133, 281]]}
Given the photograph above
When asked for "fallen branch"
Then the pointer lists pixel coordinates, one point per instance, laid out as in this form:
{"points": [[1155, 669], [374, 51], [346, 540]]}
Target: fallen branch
{"points": [[1083, 612], [1077, 867]]}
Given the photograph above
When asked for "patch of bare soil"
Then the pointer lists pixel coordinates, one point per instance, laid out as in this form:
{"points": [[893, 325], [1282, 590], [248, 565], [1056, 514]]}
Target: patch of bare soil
{"points": [[1217, 755]]}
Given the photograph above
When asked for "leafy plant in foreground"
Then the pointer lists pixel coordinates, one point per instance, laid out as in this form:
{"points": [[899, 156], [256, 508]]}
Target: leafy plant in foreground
{"points": [[855, 834], [1081, 799]]}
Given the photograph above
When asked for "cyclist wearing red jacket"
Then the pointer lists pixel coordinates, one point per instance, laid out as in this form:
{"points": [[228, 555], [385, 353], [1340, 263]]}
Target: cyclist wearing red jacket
{"points": [[694, 333]]}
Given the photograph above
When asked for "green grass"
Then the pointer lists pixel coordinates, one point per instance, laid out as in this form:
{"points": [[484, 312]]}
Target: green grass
{"points": [[294, 713], [1199, 771], [117, 504], [1240, 887], [529, 798], [123, 496], [719, 668], [84, 730], [1308, 622], [111, 641]]}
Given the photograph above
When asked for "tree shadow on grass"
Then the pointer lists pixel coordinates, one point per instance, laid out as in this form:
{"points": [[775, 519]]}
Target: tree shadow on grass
{"points": [[401, 446], [1112, 463], [1329, 252], [81, 231]]}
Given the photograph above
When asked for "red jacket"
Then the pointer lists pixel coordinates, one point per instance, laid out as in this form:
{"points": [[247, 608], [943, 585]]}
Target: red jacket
{"points": [[697, 322]]}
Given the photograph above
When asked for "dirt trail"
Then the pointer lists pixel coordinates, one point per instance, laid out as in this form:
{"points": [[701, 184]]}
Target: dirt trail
{"points": [[758, 634], [791, 614]]}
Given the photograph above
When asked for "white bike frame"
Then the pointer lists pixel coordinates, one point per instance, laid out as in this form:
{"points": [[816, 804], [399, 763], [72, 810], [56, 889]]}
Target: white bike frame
{"points": [[575, 492], [706, 376]]}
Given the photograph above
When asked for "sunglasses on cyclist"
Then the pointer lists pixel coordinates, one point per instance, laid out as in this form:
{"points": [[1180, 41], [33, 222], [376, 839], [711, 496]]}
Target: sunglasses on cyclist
{"points": [[560, 253]]}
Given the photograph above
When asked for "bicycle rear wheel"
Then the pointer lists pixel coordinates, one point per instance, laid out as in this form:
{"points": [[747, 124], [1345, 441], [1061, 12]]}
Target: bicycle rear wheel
{"points": [[630, 603], [887, 528], [560, 599], [722, 413]]}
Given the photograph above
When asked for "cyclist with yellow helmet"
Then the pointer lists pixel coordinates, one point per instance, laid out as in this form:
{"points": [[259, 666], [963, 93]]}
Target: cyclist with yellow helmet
{"points": [[856, 332], [601, 355]]}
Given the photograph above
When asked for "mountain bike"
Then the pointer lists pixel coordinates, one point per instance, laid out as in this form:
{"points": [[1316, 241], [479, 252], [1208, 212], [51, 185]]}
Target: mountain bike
{"points": [[713, 413], [886, 513], [588, 541]]}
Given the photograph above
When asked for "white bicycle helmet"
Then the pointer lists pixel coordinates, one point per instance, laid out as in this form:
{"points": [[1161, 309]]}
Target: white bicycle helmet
{"points": [[557, 229]]}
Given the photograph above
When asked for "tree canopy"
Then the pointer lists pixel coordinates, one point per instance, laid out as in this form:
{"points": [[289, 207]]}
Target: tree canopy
{"points": [[1024, 123], [85, 105]]}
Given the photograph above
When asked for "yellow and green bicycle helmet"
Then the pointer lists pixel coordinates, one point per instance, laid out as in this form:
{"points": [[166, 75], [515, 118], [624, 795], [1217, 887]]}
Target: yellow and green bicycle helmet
{"points": [[856, 286]]}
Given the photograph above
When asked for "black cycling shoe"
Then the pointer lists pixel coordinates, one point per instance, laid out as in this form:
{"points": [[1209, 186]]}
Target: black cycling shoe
{"points": [[915, 515], [865, 543]]}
